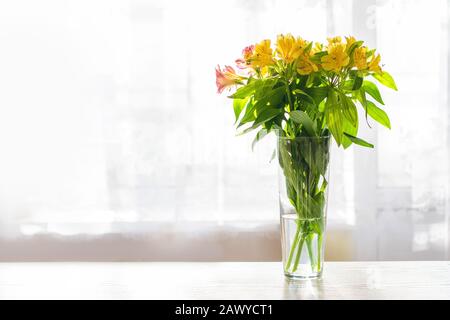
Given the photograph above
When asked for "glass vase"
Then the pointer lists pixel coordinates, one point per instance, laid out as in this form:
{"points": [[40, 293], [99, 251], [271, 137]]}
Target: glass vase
{"points": [[303, 185]]}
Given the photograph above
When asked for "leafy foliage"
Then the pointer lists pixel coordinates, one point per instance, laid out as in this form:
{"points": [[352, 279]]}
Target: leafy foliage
{"points": [[305, 90]]}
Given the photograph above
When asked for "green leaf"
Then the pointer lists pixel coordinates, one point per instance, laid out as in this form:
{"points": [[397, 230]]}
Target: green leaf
{"points": [[310, 80], [304, 94], [246, 91], [274, 153], [316, 58], [324, 185], [370, 53], [357, 84], [334, 117], [350, 129], [271, 98], [361, 96], [354, 45], [238, 106], [302, 118], [312, 110], [372, 89], [349, 110], [321, 106], [266, 115], [317, 93], [259, 135], [308, 47], [386, 79], [378, 114], [263, 87], [358, 141], [249, 114], [246, 130]]}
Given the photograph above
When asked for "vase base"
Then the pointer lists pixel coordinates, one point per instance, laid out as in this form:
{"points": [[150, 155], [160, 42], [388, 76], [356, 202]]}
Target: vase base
{"points": [[299, 276]]}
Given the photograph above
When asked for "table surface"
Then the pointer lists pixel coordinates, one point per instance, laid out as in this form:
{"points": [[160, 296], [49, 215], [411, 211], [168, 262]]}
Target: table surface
{"points": [[222, 280]]}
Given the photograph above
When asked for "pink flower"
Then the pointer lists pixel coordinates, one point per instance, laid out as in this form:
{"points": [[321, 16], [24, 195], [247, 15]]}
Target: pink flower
{"points": [[248, 52], [226, 78], [245, 61], [241, 63]]}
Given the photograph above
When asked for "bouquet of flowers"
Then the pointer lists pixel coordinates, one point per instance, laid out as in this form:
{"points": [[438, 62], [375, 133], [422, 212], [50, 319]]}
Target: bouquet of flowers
{"points": [[306, 92]]}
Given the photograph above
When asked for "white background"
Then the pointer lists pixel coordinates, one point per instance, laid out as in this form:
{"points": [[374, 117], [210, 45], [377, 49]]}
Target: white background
{"points": [[115, 146]]}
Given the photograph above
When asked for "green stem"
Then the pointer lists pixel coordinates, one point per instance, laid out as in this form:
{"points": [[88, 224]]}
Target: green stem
{"points": [[294, 245], [288, 93], [299, 253], [319, 251], [310, 250]]}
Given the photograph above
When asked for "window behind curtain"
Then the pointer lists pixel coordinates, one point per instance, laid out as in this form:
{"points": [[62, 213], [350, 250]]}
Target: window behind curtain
{"points": [[110, 121]]}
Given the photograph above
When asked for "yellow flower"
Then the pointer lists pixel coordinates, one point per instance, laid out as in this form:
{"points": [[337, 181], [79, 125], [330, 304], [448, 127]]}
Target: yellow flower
{"points": [[349, 41], [334, 40], [316, 48], [359, 57], [336, 58], [305, 65], [265, 71], [374, 64], [289, 48], [262, 55]]}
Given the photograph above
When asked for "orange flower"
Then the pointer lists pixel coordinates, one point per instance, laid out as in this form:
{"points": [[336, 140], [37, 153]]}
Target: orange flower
{"points": [[226, 78]]}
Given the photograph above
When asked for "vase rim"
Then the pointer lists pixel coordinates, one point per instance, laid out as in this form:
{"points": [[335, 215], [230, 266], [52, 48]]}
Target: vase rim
{"points": [[304, 137]]}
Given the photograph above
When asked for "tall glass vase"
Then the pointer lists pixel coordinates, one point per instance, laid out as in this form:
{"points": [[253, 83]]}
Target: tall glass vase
{"points": [[303, 185]]}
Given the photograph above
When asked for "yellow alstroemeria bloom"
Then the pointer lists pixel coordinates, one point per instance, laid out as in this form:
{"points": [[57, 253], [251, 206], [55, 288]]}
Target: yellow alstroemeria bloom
{"points": [[262, 55], [305, 65], [336, 58], [265, 71], [289, 48], [316, 48], [349, 41], [374, 64], [360, 59], [334, 40]]}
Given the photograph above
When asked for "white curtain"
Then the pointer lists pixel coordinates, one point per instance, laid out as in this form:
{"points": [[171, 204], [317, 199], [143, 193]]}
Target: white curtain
{"points": [[115, 145]]}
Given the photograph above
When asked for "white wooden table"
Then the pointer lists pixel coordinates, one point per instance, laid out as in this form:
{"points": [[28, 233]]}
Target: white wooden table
{"points": [[259, 280]]}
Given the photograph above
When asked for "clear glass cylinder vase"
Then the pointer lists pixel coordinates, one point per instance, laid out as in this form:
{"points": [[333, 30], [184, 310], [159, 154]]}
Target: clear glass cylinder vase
{"points": [[303, 185]]}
